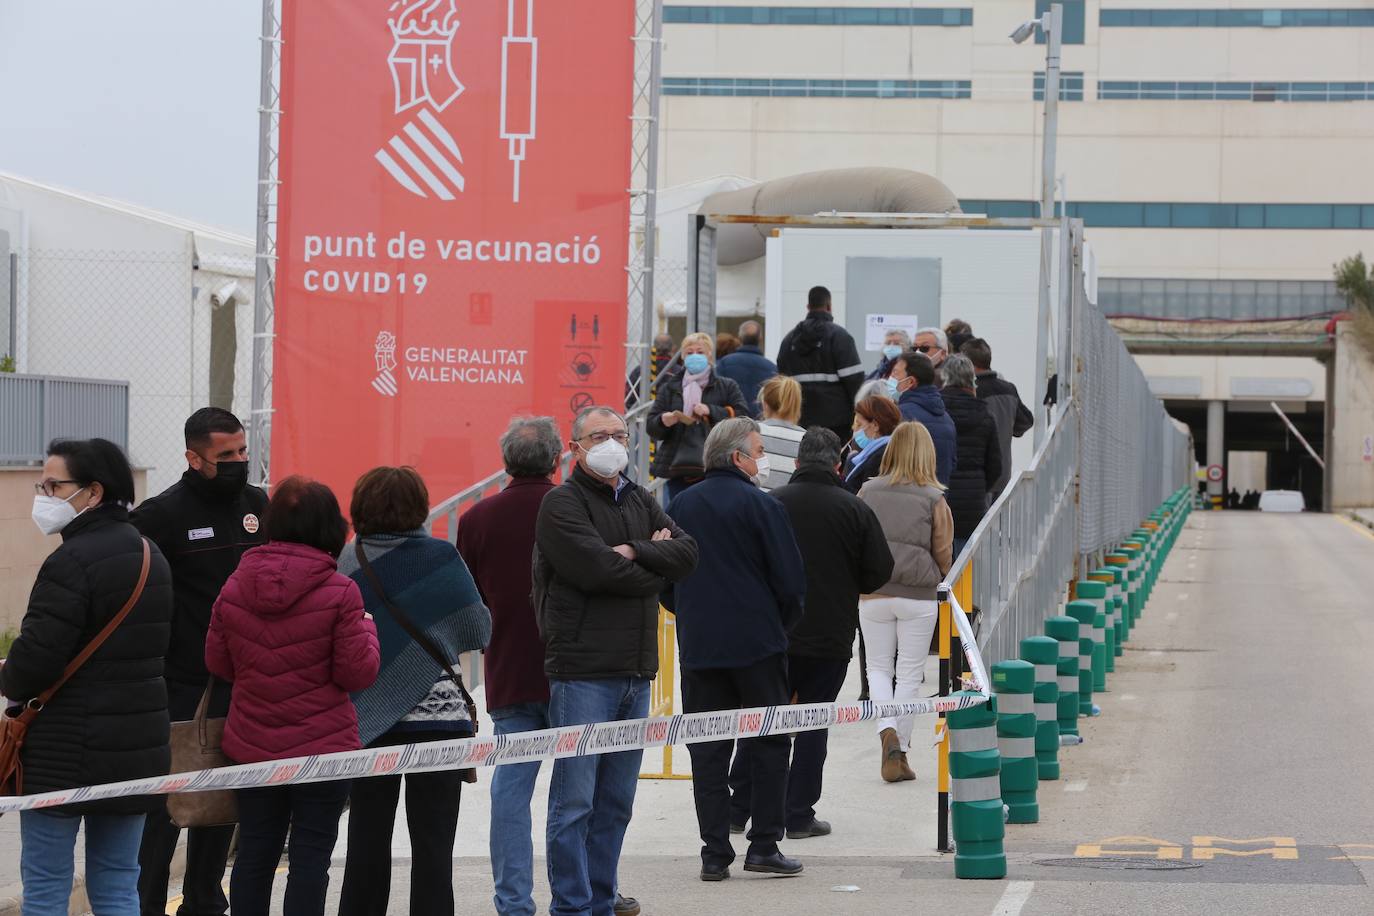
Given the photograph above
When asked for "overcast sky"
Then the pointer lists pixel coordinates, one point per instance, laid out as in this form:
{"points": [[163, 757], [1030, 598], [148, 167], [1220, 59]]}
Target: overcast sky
{"points": [[149, 101]]}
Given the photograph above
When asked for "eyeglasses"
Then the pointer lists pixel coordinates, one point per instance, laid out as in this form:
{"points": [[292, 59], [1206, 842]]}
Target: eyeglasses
{"points": [[49, 487], [926, 348], [601, 438]]}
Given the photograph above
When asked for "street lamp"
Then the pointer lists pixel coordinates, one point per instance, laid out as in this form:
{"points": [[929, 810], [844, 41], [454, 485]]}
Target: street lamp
{"points": [[1052, 24]]}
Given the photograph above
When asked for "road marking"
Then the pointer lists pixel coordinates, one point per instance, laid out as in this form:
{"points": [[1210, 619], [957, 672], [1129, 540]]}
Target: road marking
{"points": [[1283, 847], [1013, 898], [1356, 526], [1344, 846], [1126, 697], [1155, 849], [1171, 616], [1076, 785], [1183, 596], [1155, 652]]}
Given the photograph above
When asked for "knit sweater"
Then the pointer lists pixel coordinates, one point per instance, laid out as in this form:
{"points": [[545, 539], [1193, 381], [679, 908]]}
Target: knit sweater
{"points": [[427, 579]]}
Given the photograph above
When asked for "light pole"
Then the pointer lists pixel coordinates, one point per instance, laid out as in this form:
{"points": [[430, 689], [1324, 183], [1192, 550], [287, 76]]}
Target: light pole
{"points": [[1051, 23]]}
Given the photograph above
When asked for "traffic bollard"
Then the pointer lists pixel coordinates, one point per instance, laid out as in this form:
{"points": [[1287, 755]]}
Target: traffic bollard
{"points": [[976, 813], [1107, 577], [1132, 552], [1014, 683], [1043, 653], [1084, 612], [1122, 564], [1103, 637], [1065, 630]]}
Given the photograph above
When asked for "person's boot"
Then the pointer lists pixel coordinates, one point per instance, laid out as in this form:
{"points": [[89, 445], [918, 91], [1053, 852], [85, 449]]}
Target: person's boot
{"points": [[892, 755], [908, 773]]}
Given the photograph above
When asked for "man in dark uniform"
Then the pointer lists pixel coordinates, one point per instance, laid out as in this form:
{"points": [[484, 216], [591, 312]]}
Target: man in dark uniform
{"points": [[203, 523]]}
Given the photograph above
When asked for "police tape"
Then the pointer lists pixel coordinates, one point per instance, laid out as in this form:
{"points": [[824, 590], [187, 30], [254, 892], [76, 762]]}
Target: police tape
{"points": [[524, 747], [502, 750]]}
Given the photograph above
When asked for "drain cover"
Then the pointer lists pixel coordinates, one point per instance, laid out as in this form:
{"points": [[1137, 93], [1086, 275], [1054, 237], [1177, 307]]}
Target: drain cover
{"points": [[1122, 862]]}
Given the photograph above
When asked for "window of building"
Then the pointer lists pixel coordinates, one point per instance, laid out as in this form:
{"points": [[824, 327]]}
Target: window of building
{"points": [[1070, 87], [1073, 20], [817, 15], [1297, 17], [1234, 300], [1235, 91], [762, 86], [1165, 215]]}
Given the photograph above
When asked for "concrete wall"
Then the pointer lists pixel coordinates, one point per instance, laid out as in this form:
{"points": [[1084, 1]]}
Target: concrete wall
{"points": [[22, 548], [1350, 466], [1234, 378]]}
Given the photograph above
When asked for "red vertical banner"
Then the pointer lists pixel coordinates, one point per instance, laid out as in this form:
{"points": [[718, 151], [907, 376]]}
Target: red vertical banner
{"points": [[453, 229]]}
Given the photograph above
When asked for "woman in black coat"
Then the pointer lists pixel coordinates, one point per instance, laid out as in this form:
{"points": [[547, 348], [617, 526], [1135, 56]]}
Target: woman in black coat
{"points": [[689, 403], [875, 417], [109, 722], [980, 452]]}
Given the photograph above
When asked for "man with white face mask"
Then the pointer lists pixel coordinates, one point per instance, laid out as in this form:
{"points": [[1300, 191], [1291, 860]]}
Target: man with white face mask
{"points": [[604, 550], [733, 618]]}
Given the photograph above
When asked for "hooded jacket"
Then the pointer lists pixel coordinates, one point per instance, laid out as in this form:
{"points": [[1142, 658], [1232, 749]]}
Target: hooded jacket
{"points": [[109, 722], [1012, 416], [980, 459], [288, 630], [924, 405], [821, 356]]}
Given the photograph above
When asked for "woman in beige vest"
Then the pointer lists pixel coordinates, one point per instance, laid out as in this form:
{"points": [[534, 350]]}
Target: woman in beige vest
{"points": [[897, 621]]}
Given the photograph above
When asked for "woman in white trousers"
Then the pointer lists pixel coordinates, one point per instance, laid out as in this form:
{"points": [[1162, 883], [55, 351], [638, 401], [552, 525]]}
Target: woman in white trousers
{"points": [[898, 620]]}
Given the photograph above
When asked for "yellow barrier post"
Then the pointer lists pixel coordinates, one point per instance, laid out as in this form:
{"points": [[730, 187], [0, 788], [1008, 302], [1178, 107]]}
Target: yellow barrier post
{"points": [[661, 690], [950, 668]]}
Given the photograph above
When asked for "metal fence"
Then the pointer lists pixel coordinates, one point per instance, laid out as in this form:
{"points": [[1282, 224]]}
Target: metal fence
{"points": [[176, 331], [35, 409]]}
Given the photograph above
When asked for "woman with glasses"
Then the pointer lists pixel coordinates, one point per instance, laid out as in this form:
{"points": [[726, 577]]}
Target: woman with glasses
{"points": [[108, 722], [688, 405]]}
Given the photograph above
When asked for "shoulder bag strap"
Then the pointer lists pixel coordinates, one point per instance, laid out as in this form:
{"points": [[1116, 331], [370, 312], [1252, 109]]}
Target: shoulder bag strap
{"points": [[94, 645], [415, 632]]}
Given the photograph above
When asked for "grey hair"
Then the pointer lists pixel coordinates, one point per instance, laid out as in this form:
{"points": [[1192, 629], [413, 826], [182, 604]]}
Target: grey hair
{"points": [[530, 447], [939, 335], [959, 372], [728, 437], [876, 388], [819, 446], [580, 420], [900, 332]]}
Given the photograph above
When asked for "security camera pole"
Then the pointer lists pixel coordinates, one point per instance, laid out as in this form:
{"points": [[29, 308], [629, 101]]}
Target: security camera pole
{"points": [[1051, 23]]}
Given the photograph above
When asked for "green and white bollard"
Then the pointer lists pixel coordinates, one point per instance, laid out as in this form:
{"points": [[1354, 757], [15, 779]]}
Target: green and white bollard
{"points": [[1121, 563], [1085, 612], [1106, 577], [1134, 596], [976, 814], [1065, 631], [1043, 653], [1103, 637], [1014, 683]]}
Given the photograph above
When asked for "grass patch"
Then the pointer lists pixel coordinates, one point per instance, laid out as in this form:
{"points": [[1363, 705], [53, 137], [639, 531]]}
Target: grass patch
{"points": [[7, 638]]}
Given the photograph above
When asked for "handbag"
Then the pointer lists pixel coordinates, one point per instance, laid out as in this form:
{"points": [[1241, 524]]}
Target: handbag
{"points": [[424, 642], [15, 722], [196, 746]]}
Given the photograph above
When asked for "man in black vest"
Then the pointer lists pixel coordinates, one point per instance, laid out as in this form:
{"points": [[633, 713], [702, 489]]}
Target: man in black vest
{"points": [[203, 524]]}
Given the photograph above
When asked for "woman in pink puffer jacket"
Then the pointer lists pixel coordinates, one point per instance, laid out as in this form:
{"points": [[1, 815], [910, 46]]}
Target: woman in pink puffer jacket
{"points": [[289, 631]]}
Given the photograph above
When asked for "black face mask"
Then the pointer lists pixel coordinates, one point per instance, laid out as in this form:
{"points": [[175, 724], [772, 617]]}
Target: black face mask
{"points": [[230, 478]]}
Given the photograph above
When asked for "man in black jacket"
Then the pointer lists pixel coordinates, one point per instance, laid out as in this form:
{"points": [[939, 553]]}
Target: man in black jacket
{"points": [[846, 556], [973, 486], [822, 356], [1012, 416], [733, 615], [604, 550], [203, 524]]}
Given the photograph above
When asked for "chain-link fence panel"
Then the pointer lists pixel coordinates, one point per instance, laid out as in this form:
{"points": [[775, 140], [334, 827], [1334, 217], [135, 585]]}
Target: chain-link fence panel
{"points": [[180, 335]]}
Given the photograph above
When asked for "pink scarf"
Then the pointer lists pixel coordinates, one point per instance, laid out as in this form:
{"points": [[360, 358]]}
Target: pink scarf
{"points": [[691, 389]]}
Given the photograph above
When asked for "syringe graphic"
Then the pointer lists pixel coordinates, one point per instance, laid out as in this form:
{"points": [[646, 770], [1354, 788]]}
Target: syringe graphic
{"points": [[519, 68]]}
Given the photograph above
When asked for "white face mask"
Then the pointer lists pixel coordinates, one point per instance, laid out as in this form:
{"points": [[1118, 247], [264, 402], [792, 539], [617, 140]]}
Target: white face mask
{"points": [[52, 513], [761, 470], [607, 459]]}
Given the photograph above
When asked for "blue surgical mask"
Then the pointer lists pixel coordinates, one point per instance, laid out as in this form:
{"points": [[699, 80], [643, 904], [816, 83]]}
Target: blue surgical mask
{"points": [[892, 387], [861, 439], [696, 363], [892, 351]]}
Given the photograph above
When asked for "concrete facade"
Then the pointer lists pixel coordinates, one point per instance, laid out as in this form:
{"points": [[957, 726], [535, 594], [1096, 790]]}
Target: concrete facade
{"points": [[987, 146], [1350, 452]]}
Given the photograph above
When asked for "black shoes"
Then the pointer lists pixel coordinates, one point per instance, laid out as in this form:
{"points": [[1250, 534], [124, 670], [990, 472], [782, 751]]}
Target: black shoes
{"points": [[715, 872], [815, 828], [626, 906], [776, 864]]}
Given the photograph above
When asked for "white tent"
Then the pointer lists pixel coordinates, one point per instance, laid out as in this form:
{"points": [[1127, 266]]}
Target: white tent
{"points": [[106, 290], [738, 289]]}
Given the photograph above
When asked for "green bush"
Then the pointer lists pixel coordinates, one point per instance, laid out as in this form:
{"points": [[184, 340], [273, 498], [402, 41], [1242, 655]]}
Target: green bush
{"points": [[6, 640]]}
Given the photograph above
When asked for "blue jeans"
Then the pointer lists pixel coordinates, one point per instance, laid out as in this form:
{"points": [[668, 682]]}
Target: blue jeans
{"points": [[512, 840], [591, 798], [47, 862]]}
